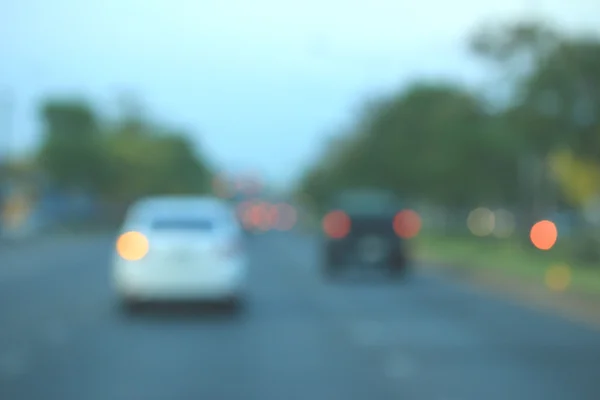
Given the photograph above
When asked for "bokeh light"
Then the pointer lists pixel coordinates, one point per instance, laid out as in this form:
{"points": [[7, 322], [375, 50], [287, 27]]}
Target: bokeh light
{"points": [[336, 224], [132, 246], [558, 277], [481, 222], [271, 216], [407, 224], [544, 234], [591, 211], [262, 216], [253, 215], [504, 224]]}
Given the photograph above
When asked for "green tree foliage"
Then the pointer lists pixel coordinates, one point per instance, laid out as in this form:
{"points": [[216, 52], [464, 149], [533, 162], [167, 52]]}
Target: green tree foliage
{"points": [[72, 147], [439, 142], [118, 160]]}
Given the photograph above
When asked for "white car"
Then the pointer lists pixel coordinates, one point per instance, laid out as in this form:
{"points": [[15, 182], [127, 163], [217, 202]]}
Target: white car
{"points": [[180, 248]]}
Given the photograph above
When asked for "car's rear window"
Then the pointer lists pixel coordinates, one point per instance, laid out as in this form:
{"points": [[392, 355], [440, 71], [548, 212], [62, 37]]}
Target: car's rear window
{"points": [[367, 202], [183, 224]]}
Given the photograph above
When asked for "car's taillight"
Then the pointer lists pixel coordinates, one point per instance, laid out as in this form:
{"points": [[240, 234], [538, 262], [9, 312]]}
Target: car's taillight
{"points": [[336, 224], [407, 224], [132, 246]]}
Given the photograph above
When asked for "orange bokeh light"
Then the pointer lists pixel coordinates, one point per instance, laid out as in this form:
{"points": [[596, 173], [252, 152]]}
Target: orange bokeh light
{"points": [[407, 224], [266, 216], [254, 213], [336, 224], [271, 216], [132, 246], [544, 234]]}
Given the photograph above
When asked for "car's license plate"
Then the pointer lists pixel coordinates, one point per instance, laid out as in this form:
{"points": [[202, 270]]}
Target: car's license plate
{"points": [[372, 249]]}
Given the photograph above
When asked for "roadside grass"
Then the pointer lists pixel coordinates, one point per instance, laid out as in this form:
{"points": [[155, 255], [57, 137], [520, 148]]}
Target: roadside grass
{"points": [[509, 257]]}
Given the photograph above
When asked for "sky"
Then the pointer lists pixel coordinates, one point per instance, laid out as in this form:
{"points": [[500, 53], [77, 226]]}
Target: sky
{"points": [[258, 84]]}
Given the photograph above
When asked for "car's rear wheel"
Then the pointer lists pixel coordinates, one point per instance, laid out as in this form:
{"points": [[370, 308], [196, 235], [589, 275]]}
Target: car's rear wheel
{"points": [[331, 270], [398, 272], [331, 264], [399, 266]]}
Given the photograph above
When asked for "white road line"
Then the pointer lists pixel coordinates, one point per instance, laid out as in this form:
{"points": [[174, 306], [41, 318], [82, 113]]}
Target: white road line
{"points": [[14, 363]]}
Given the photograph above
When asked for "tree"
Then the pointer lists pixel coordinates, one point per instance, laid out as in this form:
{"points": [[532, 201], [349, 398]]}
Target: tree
{"points": [[438, 142], [147, 160], [122, 160], [556, 79], [72, 152], [579, 178], [422, 143], [514, 48], [565, 91]]}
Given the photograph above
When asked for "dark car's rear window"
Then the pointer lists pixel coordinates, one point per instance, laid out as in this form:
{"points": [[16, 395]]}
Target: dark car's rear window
{"points": [[183, 224], [367, 202]]}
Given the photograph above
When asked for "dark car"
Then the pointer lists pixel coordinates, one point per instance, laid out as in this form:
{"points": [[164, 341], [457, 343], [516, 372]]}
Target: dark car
{"points": [[364, 227]]}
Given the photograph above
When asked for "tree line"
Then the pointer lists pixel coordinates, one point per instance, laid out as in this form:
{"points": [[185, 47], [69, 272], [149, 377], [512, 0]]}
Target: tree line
{"points": [[536, 150], [117, 159]]}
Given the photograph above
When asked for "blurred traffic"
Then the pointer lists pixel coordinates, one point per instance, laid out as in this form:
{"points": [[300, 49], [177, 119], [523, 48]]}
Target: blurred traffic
{"points": [[178, 248], [406, 205]]}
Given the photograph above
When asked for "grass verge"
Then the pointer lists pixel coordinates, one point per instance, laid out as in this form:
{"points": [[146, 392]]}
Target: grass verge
{"points": [[509, 258]]}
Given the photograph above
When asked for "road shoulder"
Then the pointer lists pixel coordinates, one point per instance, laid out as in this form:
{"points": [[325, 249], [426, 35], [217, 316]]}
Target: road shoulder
{"points": [[580, 307]]}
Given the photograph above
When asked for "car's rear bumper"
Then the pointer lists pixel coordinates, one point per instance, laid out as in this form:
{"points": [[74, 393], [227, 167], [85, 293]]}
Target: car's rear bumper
{"points": [[211, 282], [347, 251]]}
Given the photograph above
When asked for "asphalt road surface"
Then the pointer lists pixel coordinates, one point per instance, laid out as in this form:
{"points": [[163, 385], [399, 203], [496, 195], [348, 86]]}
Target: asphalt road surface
{"points": [[62, 337]]}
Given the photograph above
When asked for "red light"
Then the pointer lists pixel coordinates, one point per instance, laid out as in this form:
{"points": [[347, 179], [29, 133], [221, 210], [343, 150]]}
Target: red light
{"points": [[407, 224], [271, 216], [544, 235], [336, 224], [253, 215], [264, 216]]}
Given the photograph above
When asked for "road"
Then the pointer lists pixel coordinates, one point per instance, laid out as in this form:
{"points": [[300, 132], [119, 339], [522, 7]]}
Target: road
{"points": [[62, 337]]}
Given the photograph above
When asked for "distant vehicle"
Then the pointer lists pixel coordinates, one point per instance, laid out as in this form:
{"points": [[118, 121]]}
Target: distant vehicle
{"points": [[361, 229], [180, 248]]}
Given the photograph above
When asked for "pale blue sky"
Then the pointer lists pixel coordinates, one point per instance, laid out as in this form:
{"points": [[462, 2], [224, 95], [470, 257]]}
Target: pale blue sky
{"points": [[260, 83]]}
